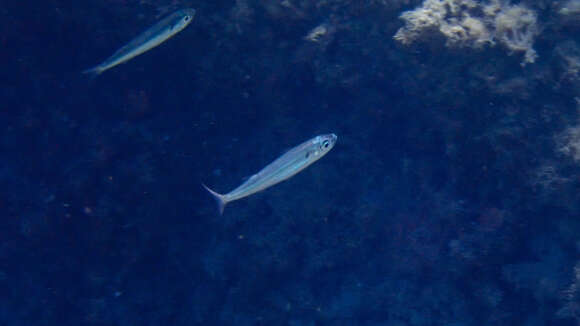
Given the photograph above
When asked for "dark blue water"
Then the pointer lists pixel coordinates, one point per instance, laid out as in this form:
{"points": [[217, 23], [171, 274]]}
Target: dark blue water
{"points": [[451, 197]]}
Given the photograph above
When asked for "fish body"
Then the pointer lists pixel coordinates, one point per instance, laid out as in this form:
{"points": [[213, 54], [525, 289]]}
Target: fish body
{"points": [[152, 37], [284, 167]]}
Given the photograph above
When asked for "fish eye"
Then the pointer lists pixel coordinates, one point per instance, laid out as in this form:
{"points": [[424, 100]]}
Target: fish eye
{"points": [[325, 144], [186, 18]]}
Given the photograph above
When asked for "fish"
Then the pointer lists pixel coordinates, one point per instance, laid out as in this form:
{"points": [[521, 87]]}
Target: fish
{"points": [[284, 167], [152, 37]]}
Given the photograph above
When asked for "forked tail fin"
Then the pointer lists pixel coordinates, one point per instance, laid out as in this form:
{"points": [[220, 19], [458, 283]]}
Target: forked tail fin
{"points": [[219, 198]]}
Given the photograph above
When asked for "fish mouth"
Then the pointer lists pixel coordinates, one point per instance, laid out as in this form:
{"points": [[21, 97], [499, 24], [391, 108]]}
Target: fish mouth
{"points": [[189, 11], [333, 138]]}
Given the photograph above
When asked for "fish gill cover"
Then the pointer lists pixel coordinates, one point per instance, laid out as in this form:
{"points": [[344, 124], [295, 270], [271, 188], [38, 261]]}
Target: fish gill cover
{"points": [[451, 197]]}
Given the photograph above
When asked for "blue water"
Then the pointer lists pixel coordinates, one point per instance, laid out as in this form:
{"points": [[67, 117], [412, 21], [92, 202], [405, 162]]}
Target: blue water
{"points": [[451, 197]]}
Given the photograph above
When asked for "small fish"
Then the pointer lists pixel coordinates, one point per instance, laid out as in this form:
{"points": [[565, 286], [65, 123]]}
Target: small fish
{"points": [[284, 167], [147, 40]]}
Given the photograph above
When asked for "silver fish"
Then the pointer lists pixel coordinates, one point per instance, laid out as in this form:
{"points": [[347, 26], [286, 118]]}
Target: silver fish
{"points": [[284, 167], [147, 40]]}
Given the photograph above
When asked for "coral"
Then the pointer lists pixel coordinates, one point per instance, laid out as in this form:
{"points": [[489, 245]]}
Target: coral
{"points": [[442, 15], [571, 146], [516, 28], [570, 9], [569, 55], [466, 23], [569, 142], [467, 32]]}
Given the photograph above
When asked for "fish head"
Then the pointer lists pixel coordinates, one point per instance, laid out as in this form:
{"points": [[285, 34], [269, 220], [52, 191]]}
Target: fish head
{"points": [[185, 17], [325, 143]]}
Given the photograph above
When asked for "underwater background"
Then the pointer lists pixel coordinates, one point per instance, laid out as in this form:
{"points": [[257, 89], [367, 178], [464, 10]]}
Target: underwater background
{"points": [[452, 196]]}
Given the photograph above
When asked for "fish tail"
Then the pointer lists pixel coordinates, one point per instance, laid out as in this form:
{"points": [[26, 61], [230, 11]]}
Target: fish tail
{"points": [[219, 198], [93, 72]]}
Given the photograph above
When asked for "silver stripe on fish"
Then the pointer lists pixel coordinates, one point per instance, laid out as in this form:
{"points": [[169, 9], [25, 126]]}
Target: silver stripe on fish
{"points": [[152, 37], [284, 167]]}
